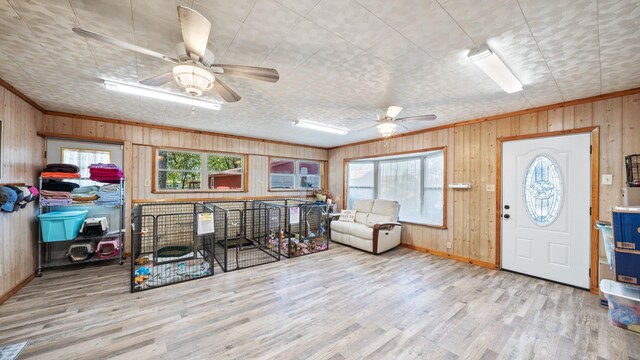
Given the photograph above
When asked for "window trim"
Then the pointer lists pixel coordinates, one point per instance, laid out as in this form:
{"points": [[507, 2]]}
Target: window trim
{"points": [[204, 171], [345, 164], [295, 174]]}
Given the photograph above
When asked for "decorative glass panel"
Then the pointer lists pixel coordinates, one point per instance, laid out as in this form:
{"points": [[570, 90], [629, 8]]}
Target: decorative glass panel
{"points": [[543, 190]]}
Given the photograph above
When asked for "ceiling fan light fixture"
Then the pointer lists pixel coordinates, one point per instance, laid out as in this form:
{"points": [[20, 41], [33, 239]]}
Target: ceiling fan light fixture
{"points": [[193, 79], [386, 129], [159, 95], [493, 66], [320, 127]]}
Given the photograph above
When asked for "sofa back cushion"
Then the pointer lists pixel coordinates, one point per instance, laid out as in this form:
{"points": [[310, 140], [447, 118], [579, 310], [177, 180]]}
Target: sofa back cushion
{"points": [[363, 205], [388, 208], [362, 217]]}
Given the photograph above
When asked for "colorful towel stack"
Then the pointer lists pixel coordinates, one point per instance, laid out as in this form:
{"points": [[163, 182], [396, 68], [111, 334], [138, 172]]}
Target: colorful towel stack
{"points": [[109, 173], [61, 171], [109, 195], [55, 198]]}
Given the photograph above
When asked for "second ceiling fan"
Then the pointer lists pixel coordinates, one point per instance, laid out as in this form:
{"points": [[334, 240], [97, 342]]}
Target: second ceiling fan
{"points": [[194, 64], [388, 122]]}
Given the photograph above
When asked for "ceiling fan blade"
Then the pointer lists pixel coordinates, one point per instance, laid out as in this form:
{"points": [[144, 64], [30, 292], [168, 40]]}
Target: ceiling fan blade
{"points": [[393, 111], [158, 80], [419, 117], [225, 92], [195, 32], [122, 44], [250, 72]]}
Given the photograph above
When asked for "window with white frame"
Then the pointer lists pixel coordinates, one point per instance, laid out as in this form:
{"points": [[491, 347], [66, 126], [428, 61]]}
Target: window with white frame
{"points": [[184, 170], [295, 174], [415, 180], [82, 158]]}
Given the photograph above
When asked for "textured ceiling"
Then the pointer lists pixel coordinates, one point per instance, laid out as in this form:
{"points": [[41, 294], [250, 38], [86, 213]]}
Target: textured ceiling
{"points": [[340, 61]]}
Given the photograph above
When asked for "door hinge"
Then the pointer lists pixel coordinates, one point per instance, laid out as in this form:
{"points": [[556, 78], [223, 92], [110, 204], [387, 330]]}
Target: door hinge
{"points": [[589, 272], [589, 210], [590, 149], [45, 154]]}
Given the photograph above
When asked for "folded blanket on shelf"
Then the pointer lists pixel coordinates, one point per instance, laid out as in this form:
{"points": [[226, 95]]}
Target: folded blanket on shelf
{"points": [[86, 190], [110, 188], [55, 202], [48, 194], [105, 173], [62, 168], [78, 197], [60, 175], [55, 185]]}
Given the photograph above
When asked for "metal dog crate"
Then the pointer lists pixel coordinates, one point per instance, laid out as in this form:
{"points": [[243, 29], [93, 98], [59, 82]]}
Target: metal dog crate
{"points": [[165, 245], [305, 233], [245, 234]]}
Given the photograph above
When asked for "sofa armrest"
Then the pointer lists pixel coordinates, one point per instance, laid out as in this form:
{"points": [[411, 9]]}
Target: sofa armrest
{"points": [[377, 228]]}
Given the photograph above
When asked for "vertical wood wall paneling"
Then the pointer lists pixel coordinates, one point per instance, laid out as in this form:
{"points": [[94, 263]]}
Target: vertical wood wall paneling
{"points": [[472, 233], [22, 154]]}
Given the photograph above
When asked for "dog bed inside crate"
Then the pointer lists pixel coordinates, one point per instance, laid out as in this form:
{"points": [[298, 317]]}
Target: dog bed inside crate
{"points": [[173, 251]]}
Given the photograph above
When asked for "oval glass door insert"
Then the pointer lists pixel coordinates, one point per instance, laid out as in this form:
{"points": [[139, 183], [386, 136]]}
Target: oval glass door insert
{"points": [[543, 190]]}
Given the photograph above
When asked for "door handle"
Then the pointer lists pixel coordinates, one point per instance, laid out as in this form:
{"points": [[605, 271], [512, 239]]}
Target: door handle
{"points": [[507, 207], [506, 216]]}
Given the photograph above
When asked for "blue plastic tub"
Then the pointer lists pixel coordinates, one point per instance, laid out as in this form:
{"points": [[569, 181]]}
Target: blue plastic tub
{"points": [[626, 264], [626, 227], [61, 225]]}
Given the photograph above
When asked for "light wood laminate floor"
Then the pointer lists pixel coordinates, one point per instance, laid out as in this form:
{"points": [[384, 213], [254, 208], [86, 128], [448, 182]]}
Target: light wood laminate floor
{"points": [[339, 304]]}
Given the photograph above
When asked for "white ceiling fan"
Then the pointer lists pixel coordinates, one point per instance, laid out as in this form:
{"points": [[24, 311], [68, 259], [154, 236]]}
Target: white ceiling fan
{"points": [[194, 64], [388, 122]]}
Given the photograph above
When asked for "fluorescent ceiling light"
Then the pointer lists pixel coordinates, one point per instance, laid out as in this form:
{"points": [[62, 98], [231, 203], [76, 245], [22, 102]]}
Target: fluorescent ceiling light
{"points": [[320, 127], [491, 64], [160, 95]]}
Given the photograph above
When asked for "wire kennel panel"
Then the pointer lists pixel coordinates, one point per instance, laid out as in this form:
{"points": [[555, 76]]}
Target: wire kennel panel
{"points": [[303, 226], [245, 234], [166, 247]]}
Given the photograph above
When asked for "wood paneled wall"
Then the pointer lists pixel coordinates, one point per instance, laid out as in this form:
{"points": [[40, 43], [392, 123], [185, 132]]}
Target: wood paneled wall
{"points": [[138, 155], [471, 152], [21, 163]]}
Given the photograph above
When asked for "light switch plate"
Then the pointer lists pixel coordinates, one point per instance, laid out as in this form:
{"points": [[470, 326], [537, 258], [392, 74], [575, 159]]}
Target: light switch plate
{"points": [[491, 187], [147, 182], [448, 244], [607, 179]]}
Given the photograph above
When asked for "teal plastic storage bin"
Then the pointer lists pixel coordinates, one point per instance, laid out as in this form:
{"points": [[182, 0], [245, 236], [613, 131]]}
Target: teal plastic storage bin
{"points": [[61, 225]]}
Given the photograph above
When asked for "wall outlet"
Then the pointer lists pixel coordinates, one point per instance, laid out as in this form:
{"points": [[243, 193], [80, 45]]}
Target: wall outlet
{"points": [[147, 182], [607, 179], [449, 246], [491, 187]]}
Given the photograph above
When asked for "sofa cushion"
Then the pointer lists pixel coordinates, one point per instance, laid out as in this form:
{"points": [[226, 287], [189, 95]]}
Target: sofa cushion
{"points": [[348, 215], [363, 205], [361, 231], [386, 207], [361, 217], [341, 226], [378, 219]]}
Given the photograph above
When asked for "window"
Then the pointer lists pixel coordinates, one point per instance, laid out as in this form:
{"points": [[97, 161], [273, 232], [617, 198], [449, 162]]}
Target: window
{"points": [[82, 158], [295, 174], [415, 180], [180, 170], [543, 190]]}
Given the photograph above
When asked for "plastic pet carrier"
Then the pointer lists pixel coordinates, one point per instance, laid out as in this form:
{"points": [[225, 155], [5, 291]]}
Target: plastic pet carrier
{"points": [[245, 234], [81, 250], [170, 243], [108, 247]]}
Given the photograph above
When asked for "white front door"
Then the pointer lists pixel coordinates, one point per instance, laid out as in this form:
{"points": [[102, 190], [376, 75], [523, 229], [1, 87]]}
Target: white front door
{"points": [[546, 199]]}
